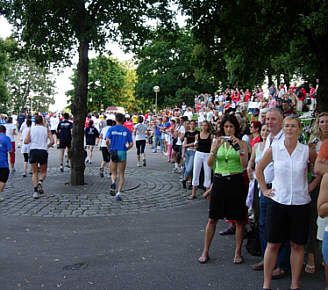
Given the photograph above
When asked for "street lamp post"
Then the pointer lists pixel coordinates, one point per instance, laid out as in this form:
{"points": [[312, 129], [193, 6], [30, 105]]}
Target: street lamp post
{"points": [[156, 90]]}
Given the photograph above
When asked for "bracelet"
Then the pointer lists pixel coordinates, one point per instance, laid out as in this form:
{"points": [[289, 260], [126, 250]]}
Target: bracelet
{"points": [[214, 154]]}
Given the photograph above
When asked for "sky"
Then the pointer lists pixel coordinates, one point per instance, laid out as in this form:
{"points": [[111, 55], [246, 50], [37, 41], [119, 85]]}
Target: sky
{"points": [[63, 82]]}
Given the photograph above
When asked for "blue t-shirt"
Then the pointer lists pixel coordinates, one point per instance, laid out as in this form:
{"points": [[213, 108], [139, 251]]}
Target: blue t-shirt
{"points": [[118, 136], [5, 146]]}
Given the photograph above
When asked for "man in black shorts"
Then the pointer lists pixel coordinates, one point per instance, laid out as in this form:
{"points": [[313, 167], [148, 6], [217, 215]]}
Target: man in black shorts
{"points": [[5, 147], [64, 131]]}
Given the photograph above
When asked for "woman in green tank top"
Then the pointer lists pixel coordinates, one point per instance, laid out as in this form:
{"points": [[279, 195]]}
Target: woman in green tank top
{"points": [[228, 158]]}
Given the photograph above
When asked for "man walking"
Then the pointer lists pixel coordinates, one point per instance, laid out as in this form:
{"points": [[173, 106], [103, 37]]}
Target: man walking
{"points": [[5, 147], [64, 131], [116, 139]]}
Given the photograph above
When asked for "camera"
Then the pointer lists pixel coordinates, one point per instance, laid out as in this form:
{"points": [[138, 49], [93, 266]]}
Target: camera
{"points": [[234, 146], [315, 140]]}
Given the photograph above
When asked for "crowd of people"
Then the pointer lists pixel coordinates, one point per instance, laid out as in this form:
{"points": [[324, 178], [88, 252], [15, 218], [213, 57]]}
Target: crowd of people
{"points": [[242, 148]]}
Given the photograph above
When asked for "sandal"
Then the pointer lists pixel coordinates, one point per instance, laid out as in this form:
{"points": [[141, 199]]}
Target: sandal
{"points": [[238, 260], [310, 269], [228, 231], [192, 197], [203, 260]]}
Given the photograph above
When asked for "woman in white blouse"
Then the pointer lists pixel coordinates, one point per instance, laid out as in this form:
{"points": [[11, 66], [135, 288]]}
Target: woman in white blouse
{"points": [[289, 203]]}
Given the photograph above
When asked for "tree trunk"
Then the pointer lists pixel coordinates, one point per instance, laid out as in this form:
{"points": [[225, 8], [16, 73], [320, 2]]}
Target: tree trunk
{"points": [[79, 108]]}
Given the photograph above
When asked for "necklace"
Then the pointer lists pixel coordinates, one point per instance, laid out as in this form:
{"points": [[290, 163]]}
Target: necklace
{"points": [[226, 153]]}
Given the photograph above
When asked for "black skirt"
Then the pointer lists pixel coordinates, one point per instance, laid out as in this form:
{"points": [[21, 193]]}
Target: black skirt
{"points": [[228, 198]]}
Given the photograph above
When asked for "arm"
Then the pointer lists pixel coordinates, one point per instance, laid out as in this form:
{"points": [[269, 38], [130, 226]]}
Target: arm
{"points": [[323, 197], [28, 137], [251, 163], [51, 138], [266, 159], [214, 150], [321, 166]]}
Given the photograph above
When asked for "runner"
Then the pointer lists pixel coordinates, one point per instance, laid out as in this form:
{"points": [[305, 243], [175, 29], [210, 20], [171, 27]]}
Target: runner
{"points": [[140, 132], [20, 120], [38, 137], [116, 139], [5, 147], [104, 148], [54, 121], [25, 148], [91, 135], [11, 132], [64, 131]]}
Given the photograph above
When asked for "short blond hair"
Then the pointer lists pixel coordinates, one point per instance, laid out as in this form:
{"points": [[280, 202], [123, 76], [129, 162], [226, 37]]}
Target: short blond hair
{"points": [[289, 118]]}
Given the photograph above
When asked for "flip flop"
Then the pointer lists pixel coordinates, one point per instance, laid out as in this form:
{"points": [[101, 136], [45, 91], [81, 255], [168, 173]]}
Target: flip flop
{"points": [[310, 269], [228, 231], [238, 260], [203, 260]]}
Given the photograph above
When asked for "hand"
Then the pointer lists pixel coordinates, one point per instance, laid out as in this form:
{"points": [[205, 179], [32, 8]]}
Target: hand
{"points": [[250, 173], [216, 144], [269, 193], [235, 140]]}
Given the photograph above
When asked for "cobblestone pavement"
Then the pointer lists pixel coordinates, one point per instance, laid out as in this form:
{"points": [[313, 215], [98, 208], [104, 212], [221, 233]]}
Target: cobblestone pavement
{"points": [[145, 189]]}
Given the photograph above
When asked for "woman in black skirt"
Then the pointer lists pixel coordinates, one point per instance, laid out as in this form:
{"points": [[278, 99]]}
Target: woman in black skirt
{"points": [[228, 158]]}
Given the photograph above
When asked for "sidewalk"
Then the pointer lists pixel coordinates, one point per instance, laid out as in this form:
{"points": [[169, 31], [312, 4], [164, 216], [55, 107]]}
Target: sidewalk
{"points": [[81, 238]]}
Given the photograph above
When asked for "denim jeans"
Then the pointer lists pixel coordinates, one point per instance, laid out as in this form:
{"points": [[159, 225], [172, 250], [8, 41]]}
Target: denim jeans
{"points": [[158, 138], [284, 251], [189, 162]]}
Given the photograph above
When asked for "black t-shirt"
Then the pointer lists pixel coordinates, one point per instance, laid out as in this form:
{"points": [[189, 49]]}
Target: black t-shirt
{"points": [[64, 130], [91, 134], [191, 136]]}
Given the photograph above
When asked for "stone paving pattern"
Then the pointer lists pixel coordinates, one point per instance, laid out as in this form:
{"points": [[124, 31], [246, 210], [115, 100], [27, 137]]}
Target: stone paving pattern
{"points": [[144, 190]]}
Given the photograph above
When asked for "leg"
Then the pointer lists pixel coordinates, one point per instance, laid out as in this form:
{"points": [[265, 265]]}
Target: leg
{"points": [[122, 166], [35, 174], [240, 228], [113, 169], [270, 259], [43, 171], [2, 186], [196, 172], [209, 233], [296, 262], [90, 156], [61, 156]]}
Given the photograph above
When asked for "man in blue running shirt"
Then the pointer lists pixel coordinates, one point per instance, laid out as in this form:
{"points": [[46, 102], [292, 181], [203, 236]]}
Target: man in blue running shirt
{"points": [[5, 147], [119, 141]]}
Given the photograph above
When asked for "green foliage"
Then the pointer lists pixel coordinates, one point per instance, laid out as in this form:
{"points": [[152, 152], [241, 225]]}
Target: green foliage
{"points": [[4, 97], [166, 62], [111, 83]]}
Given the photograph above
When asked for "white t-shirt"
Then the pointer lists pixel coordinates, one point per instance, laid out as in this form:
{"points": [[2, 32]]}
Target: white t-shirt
{"points": [[189, 114], [141, 131], [39, 138], [53, 123], [25, 147], [103, 133], [9, 130]]}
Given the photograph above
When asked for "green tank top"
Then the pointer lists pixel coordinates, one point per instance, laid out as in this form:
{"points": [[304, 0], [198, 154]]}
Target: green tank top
{"points": [[227, 161]]}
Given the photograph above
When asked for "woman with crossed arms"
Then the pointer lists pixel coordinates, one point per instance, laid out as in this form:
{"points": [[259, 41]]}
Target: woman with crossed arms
{"points": [[288, 209]]}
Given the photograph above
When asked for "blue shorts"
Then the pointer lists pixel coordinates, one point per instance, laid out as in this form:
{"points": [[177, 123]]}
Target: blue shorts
{"points": [[121, 155], [325, 247]]}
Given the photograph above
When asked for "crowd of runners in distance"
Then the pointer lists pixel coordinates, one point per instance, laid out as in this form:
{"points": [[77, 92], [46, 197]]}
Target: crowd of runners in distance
{"points": [[242, 148]]}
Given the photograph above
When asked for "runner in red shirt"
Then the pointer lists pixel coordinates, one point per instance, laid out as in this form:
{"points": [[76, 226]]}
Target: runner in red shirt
{"points": [[128, 124]]}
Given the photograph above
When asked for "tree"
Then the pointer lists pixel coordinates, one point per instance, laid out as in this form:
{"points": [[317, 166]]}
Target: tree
{"points": [[255, 34], [166, 62], [27, 84], [4, 63], [52, 30]]}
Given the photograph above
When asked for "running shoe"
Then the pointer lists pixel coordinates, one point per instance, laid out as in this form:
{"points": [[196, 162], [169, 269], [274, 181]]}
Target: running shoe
{"points": [[1, 199], [118, 197], [67, 165], [24, 175], [61, 168], [36, 195], [112, 189], [101, 171], [40, 189], [139, 164]]}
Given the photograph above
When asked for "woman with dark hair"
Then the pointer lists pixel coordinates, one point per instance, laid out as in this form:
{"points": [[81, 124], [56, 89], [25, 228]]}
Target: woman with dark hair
{"points": [[228, 158], [140, 133], [203, 142], [91, 134]]}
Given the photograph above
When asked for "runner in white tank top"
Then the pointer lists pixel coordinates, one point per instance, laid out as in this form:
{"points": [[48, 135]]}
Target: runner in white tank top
{"points": [[38, 137]]}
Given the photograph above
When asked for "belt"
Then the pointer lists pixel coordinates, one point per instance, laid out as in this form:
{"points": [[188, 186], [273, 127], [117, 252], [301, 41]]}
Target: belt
{"points": [[226, 176], [188, 149]]}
